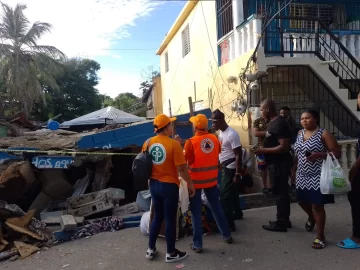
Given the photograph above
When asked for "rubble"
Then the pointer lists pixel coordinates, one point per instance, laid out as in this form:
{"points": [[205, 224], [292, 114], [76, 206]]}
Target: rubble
{"points": [[25, 250], [67, 223], [20, 232]]}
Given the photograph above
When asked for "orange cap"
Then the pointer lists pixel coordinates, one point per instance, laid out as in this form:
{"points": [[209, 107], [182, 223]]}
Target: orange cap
{"points": [[162, 121], [200, 121]]}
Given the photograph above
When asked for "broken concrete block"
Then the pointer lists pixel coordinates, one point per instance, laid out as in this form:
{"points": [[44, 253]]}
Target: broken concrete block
{"points": [[25, 250], [127, 209], [68, 223], [79, 220]]}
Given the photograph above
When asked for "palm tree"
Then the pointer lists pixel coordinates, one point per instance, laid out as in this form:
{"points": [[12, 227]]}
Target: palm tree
{"points": [[24, 65]]}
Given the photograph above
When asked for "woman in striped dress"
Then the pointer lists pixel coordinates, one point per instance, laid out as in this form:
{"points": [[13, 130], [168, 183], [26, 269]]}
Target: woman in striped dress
{"points": [[311, 148]]}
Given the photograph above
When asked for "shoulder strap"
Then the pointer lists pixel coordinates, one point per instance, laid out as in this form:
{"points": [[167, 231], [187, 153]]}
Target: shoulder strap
{"points": [[147, 145]]}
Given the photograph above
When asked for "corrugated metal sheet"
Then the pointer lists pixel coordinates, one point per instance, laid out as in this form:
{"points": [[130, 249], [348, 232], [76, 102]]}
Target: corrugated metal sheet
{"points": [[108, 115]]}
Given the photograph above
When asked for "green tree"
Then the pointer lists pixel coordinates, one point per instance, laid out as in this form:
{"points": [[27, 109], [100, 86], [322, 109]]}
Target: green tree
{"points": [[125, 102], [106, 100], [23, 63], [76, 95]]}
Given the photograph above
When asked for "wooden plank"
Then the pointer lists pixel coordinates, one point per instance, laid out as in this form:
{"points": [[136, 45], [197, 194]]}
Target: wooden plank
{"points": [[191, 107]]}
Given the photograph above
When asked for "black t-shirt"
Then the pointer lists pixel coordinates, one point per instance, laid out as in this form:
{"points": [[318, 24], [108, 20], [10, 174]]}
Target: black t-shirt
{"points": [[279, 129]]}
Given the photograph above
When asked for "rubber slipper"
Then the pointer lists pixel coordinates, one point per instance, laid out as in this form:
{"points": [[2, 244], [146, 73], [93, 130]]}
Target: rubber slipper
{"points": [[318, 244], [348, 244]]}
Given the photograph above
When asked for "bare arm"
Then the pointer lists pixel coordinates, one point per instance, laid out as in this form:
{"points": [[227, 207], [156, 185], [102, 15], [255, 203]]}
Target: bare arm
{"points": [[283, 147], [258, 133], [184, 174], [331, 144], [238, 159]]}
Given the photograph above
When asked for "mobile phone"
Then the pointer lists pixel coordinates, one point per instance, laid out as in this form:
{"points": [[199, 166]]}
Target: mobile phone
{"points": [[254, 147], [307, 154]]}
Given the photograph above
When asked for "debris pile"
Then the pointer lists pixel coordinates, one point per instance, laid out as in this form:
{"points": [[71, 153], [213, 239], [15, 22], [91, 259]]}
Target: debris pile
{"points": [[20, 233]]}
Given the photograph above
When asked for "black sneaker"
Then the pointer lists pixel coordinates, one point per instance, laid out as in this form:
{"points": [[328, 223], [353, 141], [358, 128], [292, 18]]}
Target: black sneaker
{"points": [[176, 256], [238, 215], [233, 228], [150, 253], [274, 227], [288, 224], [229, 241]]}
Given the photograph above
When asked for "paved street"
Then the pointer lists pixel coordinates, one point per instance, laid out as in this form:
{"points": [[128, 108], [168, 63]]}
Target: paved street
{"points": [[254, 248]]}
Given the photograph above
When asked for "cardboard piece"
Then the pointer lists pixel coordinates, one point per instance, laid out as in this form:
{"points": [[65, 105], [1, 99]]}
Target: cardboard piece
{"points": [[22, 221], [24, 231], [25, 250]]}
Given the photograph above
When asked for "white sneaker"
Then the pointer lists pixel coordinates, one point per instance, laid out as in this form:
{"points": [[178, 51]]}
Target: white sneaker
{"points": [[177, 256], [150, 253]]}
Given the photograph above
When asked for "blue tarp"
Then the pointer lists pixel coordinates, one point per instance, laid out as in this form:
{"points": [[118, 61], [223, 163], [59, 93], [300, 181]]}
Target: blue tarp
{"points": [[135, 135]]}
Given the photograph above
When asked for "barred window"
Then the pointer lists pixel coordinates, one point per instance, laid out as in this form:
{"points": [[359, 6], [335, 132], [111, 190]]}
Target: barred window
{"points": [[166, 62], [323, 12], [185, 35]]}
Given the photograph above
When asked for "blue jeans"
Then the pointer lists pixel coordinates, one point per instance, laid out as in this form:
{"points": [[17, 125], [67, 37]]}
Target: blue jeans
{"points": [[213, 197], [165, 200]]}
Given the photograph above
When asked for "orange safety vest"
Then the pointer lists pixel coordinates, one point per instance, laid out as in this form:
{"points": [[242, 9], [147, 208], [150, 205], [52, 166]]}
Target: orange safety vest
{"points": [[204, 171]]}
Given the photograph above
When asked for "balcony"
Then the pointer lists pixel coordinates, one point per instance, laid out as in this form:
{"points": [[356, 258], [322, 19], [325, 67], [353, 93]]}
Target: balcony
{"points": [[342, 19], [240, 41]]}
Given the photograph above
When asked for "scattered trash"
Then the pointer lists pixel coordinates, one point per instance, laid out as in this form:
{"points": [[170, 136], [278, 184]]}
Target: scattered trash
{"points": [[248, 260], [180, 266], [25, 250], [66, 265], [14, 258]]}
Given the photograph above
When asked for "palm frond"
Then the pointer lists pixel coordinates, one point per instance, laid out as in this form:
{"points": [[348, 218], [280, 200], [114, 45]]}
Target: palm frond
{"points": [[35, 32], [14, 22], [49, 50]]}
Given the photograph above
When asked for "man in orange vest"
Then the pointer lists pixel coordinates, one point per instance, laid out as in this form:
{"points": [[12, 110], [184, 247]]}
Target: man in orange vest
{"points": [[202, 156]]}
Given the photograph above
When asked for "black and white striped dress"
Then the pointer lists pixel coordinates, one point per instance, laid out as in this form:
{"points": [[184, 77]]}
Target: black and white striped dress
{"points": [[308, 173]]}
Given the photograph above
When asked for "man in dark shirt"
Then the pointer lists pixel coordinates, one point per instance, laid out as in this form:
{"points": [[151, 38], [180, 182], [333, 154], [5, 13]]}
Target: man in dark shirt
{"points": [[276, 149]]}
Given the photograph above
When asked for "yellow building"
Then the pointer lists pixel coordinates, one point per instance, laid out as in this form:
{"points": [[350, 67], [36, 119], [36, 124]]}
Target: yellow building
{"points": [[189, 67]]}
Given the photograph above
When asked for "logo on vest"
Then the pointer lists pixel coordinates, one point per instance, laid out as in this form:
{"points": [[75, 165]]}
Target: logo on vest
{"points": [[207, 145], [158, 153]]}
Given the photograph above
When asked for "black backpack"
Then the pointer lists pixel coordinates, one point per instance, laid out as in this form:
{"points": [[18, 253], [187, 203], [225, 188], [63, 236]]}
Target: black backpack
{"points": [[142, 165]]}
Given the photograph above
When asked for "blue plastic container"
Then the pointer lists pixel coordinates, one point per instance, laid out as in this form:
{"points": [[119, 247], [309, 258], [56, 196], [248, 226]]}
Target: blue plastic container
{"points": [[53, 125]]}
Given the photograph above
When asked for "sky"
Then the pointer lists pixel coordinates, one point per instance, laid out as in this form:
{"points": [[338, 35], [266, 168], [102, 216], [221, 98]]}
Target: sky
{"points": [[122, 35]]}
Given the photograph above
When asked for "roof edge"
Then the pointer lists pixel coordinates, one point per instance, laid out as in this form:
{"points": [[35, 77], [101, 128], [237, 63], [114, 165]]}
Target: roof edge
{"points": [[184, 14]]}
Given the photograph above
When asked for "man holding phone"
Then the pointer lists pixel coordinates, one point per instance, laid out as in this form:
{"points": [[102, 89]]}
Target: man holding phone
{"points": [[276, 149]]}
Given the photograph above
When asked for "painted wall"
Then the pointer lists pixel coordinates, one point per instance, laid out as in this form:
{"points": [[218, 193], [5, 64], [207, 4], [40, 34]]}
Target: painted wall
{"points": [[199, 72], [156, 96]]}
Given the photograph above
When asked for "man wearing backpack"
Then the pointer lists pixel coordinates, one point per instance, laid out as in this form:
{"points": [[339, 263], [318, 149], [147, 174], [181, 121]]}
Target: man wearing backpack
{"points": [[202, 156], [168, 162]]}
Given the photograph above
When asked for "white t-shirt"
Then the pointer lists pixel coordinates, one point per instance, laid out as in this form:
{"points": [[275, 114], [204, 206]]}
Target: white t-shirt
{"points": [[229, 140]]}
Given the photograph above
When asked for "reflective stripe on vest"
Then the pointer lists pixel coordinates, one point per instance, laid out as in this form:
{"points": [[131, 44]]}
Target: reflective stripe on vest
{"points": [[204, 170]]}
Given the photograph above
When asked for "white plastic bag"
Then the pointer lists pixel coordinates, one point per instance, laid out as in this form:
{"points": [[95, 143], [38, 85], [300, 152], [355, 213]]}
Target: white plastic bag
{"points": [[183, 196], [333, 179]]}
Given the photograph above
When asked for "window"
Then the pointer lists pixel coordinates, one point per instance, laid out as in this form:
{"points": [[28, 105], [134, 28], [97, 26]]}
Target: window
{"points": [[185, 36], [224, 17], [166, 62], [323, 12]]}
